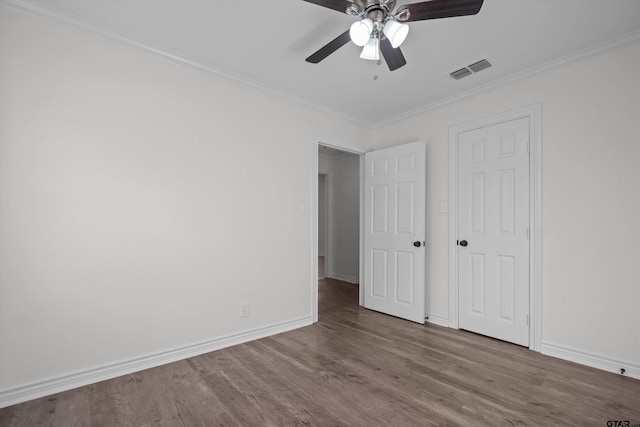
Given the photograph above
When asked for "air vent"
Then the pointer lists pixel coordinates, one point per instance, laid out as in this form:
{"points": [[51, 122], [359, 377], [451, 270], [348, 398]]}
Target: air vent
{"points": [[462, 72], [479, 66], [470, 69]]}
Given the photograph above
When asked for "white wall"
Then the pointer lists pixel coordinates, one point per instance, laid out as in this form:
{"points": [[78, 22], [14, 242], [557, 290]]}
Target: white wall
{"points": [[141, 202], [343, 185], [591, 202]]}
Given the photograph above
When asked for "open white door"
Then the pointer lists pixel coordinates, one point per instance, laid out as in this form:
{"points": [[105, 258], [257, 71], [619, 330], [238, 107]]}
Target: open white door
{"points": [[394, 231]]}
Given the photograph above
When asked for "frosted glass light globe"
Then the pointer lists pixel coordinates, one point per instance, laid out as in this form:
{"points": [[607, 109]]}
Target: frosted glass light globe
{"points": [[371, 50], [396, 32], [360, 32]]}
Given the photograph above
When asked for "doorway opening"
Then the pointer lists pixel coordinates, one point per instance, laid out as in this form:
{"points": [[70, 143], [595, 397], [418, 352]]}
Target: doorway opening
{"points": [[337, 221], [381, 234], [339, 213]]}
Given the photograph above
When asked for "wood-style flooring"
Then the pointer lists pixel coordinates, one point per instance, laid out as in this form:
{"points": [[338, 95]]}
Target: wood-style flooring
{"points": [[354, 367]]}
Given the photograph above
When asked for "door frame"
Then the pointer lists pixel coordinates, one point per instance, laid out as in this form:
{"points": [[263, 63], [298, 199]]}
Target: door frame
{"points": [[317, 141], [534, 114]]}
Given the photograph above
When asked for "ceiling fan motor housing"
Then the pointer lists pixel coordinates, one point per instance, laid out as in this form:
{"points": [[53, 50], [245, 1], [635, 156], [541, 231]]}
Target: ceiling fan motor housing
{"points": [[376, 10]]}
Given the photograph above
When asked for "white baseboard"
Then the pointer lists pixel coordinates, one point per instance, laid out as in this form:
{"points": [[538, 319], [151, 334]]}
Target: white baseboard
{"points": [[593, 360], [66, 382], [437, 320], [344, 278]]}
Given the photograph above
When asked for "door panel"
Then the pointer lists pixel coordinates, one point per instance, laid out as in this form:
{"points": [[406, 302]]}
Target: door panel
{"points": [[404, 277], [378, 266], [477, 283], [394, 273], [493, 217], [380, 208]]}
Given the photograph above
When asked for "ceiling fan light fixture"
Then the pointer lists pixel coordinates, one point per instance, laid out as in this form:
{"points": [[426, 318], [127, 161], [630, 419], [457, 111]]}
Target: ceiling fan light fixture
{"points": [[371, 50], [360, 32], [380, 31], [396, 32]]}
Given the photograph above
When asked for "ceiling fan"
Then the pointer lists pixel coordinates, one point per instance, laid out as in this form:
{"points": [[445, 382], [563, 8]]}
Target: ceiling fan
{"points": [[380, 29]]}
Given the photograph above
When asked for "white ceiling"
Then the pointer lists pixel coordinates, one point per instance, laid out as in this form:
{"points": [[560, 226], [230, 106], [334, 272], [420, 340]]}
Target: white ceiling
{"points": [[265, 42]]}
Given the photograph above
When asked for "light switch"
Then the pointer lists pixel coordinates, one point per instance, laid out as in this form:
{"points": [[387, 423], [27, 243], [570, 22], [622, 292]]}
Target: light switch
{"points": [[444, 207]]}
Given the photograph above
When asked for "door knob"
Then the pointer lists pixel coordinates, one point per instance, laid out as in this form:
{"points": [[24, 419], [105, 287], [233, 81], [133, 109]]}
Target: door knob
{"points": [[463, 243], [417, 244]]}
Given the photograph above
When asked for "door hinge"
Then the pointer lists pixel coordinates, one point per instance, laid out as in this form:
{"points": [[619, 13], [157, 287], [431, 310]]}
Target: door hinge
{"points": [[527, 320], [528, 148], [528, 234]]}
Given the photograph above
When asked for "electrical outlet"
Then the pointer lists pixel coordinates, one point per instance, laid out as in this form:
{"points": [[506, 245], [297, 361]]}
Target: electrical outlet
{"points": [[244, 309]]}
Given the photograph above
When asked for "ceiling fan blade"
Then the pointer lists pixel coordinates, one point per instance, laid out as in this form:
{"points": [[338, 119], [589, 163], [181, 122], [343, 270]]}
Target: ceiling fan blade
{"points": [[329, 48], [339, 5], [394, 57], [436, 9]]}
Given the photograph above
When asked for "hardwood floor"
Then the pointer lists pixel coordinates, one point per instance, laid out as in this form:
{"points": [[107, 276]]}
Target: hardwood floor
{"points": [[353, 368]]}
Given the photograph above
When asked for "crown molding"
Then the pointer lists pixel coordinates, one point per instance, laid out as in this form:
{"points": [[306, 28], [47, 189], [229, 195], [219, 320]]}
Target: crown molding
{"points": [[175, 57], [50, 13], [628, 39]]}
